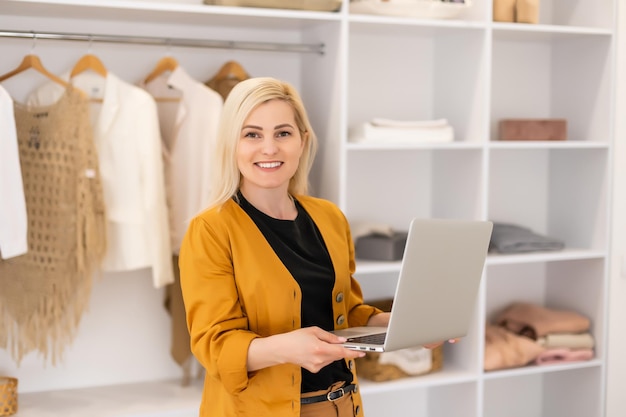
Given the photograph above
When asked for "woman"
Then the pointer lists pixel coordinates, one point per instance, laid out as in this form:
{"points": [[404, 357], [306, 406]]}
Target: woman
{"points": [[266, 270]]}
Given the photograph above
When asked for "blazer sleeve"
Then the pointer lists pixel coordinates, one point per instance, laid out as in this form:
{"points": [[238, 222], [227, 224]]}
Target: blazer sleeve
{"points": [[216, 322]]}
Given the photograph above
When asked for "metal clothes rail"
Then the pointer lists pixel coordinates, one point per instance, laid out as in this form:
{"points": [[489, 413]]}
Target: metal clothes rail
{"points": [[147, 40]]}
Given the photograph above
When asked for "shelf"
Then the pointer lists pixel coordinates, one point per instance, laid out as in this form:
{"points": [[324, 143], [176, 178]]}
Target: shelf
{"points": [[168, 12], [534, 370], [442, 377], [374, 267], [543, 33], [402, 24], [353, 146], [146, 399], [563, 255], [566, 144]]}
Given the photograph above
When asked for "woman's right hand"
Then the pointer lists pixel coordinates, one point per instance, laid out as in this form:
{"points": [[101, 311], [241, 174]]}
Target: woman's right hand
{"points": [[312, 348]]}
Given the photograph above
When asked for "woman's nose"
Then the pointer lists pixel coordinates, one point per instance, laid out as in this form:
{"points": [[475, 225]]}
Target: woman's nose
{"points": [[269, 146]]}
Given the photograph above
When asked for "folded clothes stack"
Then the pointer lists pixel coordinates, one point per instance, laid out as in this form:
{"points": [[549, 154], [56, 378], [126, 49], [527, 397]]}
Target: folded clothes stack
{"points": [[525, 333], [380, 130]]}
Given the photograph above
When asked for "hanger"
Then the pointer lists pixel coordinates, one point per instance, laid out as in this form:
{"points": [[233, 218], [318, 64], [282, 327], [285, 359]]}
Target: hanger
{"points": [[231, 70], [167, 63], [89, 62], [227, 77], [33, 61]]}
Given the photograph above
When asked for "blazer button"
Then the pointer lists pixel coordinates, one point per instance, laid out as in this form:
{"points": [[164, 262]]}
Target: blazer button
{"points": [[358, 409], [350, 364], [340, 319], [339, 297]]}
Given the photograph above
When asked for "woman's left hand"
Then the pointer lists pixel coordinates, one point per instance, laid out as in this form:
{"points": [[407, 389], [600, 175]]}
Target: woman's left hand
{"points": [[434, 345]]}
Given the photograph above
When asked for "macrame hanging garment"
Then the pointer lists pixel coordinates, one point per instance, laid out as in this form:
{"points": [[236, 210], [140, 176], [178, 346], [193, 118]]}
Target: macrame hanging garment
{"points": [[44, 292]]}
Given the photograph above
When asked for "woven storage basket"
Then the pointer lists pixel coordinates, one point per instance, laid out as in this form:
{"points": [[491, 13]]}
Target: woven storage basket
{"points": [[369, 367], [8, 396]]}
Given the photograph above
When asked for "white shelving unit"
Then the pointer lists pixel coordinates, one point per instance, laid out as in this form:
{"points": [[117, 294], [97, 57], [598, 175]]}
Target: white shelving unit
{"points": [[470, 71], [475, 72]]}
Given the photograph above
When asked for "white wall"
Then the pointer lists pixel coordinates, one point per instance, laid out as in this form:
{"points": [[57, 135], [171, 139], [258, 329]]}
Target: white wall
{"points": [[123, 338], [616, 400]]}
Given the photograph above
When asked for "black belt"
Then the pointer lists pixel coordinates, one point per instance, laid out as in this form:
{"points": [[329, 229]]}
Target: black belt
{"points": [[331, 396]]}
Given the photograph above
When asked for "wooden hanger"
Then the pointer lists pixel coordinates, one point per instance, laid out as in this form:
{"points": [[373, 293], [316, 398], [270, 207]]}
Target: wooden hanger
{"points": [[89, 62], [167, 63], [33, 61], [231, 70], [227, 77]]}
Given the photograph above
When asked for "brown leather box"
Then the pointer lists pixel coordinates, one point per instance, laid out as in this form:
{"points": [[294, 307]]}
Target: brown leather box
{"points": [[533, 129]]}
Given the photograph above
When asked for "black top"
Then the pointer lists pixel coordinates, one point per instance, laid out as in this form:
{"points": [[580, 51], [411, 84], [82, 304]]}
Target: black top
{"points": [[301, 248]]}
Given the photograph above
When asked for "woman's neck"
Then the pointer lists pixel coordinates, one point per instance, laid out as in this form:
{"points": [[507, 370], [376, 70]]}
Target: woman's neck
{"points": [[274, 203]]}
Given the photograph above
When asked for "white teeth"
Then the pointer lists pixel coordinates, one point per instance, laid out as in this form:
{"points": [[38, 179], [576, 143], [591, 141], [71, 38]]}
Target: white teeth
{"points": [[268, 164]]}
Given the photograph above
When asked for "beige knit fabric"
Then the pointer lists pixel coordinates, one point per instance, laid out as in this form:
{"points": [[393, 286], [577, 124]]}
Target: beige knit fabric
{"points": [[44, 293]]}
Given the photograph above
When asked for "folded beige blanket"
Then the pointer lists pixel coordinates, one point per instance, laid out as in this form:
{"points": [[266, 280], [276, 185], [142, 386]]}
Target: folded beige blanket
{"points": [[504, 349], [567, 340], [535, 321]]}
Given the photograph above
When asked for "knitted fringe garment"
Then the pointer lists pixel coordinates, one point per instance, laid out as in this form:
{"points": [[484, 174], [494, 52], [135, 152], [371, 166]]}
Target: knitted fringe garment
{"points": [[44, 292]]}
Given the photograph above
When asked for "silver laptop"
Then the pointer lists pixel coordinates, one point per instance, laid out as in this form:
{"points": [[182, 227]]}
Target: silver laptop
{"points": [[437, 287]]}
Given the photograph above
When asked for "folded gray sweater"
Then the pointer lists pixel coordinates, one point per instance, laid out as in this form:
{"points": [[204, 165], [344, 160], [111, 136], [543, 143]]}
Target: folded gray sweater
{"points": [[512, 238]]}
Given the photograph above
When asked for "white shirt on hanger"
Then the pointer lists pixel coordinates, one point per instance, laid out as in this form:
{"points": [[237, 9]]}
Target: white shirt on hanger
{"points": [[126, 132], [189, 131], [13, 216]]}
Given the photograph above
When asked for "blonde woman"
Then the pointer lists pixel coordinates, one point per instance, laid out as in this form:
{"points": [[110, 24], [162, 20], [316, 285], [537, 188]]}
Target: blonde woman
{"points": [[266, 270]]}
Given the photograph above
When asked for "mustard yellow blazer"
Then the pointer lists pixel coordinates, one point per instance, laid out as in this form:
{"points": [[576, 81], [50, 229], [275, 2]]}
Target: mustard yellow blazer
{"points": [[236, 289]]}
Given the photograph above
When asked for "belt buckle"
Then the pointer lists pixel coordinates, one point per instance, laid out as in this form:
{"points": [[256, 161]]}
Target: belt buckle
{"points": [[339, 392]]}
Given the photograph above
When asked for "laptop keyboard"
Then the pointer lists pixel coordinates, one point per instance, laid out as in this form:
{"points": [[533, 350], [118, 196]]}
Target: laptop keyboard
{"points": [[376, 339]]}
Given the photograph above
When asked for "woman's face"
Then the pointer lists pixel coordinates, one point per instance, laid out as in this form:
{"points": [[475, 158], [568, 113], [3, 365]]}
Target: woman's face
{"points": [[270, 146]]}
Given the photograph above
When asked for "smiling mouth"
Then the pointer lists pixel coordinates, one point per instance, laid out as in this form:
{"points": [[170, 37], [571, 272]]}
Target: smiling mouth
{"points": [[269, 164]]}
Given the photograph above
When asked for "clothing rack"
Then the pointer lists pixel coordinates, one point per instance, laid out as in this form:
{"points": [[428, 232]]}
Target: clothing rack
{"points": [[148, 40]]}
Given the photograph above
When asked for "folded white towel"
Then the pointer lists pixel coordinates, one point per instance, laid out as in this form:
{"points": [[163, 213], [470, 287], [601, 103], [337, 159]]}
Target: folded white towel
{"points": [[409, 124]]}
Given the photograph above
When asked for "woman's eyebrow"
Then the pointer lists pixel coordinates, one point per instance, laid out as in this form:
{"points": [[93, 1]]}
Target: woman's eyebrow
{"points": [[280, 126]]}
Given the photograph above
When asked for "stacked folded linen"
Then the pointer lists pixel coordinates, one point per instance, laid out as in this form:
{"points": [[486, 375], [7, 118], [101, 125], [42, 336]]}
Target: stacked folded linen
{"points": [[525, 333], [380, 130]]}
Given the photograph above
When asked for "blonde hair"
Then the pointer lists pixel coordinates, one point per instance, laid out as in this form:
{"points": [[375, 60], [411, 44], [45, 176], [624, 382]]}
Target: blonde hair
{"points": [[246, 96]]}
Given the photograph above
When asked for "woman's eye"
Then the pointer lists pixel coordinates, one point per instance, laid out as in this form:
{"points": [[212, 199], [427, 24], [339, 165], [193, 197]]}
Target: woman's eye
{"points": [[283, 134], [251, 135]]}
